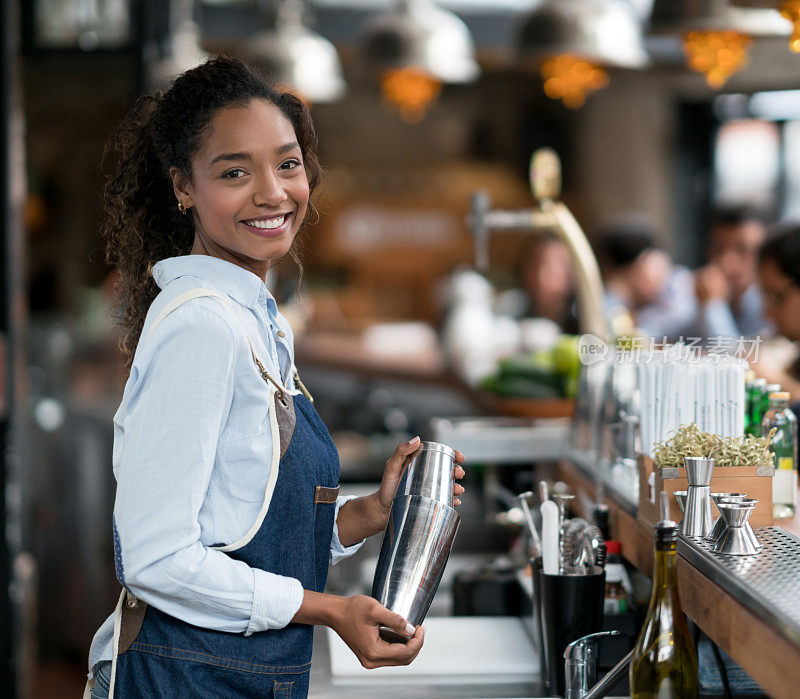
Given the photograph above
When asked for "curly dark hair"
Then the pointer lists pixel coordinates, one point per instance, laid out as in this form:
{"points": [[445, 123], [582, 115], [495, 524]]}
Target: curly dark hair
{"points": [[141, 223]]}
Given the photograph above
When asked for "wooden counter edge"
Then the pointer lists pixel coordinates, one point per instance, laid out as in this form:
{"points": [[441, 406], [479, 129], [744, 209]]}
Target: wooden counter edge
{"points": [[771, 659]]}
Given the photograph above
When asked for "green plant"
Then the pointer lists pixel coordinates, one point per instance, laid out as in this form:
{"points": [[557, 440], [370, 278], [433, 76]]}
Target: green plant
{"points": [[688, 440]]}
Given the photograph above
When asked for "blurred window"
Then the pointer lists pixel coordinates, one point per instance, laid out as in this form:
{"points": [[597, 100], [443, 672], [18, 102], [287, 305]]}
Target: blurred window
{"points": [[747, 162]]}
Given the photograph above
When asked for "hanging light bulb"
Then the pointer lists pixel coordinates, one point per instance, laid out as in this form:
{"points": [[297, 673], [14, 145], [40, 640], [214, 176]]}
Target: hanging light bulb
{"points": [[790, 9], [570, 79], [410, 91], [571, 42], [716, 54], [415, 48], [715, 36]]}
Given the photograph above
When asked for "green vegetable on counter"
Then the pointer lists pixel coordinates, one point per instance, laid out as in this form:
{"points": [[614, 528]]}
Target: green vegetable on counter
{"points": [[538, 375]]}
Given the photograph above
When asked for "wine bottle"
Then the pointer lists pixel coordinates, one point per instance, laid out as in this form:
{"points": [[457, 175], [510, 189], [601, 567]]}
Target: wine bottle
{"points": [[664, 664]]}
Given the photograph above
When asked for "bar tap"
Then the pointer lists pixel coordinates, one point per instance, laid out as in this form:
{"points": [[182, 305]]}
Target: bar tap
{"points": [[550, 215]]}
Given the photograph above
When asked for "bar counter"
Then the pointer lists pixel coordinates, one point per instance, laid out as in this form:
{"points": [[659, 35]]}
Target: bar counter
{"points": [[747, 625]]}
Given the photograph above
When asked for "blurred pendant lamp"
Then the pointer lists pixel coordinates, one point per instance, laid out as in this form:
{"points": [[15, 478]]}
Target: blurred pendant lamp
{"points": [[183, 47], [294, 57], [414, 48], [716, 37], [790, 9], [571, 42]]}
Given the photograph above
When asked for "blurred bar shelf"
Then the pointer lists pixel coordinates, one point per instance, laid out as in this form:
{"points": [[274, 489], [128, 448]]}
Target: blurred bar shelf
{"points": [[748, 609], [348, 353]]}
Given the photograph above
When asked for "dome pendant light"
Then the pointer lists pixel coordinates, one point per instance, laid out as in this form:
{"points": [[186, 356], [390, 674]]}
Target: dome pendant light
{"points": [[790, 9], [414, 48], [571, 42], [184, 50], [296, 58], [716, 37]]}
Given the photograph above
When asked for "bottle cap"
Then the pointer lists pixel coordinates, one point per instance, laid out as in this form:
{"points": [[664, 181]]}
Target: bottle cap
{"points": [[666, 533], [613, 546]]}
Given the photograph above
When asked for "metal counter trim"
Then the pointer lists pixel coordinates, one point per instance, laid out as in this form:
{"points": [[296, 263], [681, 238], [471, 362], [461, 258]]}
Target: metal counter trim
{"points": [[767, 584]]}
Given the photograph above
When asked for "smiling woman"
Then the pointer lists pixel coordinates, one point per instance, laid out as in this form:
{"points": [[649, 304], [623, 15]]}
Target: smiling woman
{"points": [[227, 511]]}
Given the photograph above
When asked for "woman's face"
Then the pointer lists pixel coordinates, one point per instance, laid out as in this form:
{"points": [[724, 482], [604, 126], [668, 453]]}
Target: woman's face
{"points": [[781, 299], [249, 189]]}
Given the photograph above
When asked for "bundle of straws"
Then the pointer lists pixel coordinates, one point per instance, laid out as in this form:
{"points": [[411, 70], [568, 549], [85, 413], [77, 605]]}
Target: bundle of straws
{"points": [[679, 389]]}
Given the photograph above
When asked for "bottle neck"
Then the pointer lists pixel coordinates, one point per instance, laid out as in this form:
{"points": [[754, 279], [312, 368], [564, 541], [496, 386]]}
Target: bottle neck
{"points": [[665, 573]]}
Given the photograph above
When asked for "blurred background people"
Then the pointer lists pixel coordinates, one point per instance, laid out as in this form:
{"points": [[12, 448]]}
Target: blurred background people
{"points": [[728, 297], [546, 284], [643, 286], [779, 277]]}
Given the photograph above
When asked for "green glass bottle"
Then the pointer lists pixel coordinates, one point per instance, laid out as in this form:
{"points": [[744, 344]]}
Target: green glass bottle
{"points": [[749, 377], [664, 664], [755, 400], [784, 450]]}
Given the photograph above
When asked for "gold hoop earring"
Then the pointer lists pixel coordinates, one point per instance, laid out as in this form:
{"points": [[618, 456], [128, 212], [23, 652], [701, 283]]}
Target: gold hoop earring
{"points": [[182, 208]]}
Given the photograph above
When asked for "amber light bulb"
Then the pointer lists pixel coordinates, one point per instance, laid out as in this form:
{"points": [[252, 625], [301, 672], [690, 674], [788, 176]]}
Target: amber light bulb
{"points": [[717, 54], [570, 79], [791, 10], [410, 91]]}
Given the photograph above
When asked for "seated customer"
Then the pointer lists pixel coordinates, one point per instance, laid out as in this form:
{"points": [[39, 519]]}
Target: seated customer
{"points": [[545, 275], [642, 281], [729, 299], [779, 276]]}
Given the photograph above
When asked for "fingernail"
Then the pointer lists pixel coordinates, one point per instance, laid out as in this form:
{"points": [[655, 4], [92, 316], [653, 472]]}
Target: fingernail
{"points": [[414, 441], [409, 629]]}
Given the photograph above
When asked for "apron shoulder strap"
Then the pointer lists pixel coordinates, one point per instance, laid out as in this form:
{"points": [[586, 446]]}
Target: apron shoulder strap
{"points": [[182, 298], [176, 302]]}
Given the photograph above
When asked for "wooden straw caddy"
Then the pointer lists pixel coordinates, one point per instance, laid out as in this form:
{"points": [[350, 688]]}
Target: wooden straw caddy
{"points": [[756, 482]]}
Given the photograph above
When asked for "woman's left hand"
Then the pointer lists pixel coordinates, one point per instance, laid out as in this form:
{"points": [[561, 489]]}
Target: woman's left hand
{"points": [[394, 471]]}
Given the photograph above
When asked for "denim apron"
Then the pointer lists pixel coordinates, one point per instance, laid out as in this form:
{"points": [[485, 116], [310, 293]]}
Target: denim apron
{"points": [[156, 655]]}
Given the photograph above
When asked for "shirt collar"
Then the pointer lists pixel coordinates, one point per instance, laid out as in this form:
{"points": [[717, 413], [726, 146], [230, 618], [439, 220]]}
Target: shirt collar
{"points": [[240, 284]]}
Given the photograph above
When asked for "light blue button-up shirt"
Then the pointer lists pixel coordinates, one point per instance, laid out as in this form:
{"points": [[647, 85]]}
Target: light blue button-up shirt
{"points": [[193, 453]]}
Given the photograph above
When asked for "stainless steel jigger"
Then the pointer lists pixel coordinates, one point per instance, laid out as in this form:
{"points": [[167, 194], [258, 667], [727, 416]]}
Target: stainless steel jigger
{"points": [[697, 520], [719, 525], [748, 530], [735, 540], [680, 498]]}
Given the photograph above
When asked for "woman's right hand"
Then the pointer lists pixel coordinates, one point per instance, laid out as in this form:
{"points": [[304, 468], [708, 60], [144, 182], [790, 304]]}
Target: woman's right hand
{"points": [[357, 625]]}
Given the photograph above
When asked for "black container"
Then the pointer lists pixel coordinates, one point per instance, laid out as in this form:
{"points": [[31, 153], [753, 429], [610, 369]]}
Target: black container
{"points": [[568, 607], [487, 591]]}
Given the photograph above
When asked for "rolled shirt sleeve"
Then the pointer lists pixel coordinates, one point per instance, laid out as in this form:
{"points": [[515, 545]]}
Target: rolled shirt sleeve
{"points": [[176, 402], [338, 550]]}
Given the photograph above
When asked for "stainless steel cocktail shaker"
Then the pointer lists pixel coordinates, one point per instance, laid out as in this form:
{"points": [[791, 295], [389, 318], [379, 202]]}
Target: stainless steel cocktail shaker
{"points": [[418, 537]]}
